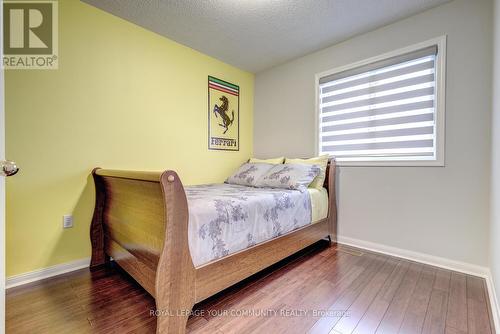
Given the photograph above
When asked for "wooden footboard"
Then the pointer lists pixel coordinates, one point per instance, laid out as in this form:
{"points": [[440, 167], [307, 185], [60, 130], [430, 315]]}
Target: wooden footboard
{"points": [[141, 221]]}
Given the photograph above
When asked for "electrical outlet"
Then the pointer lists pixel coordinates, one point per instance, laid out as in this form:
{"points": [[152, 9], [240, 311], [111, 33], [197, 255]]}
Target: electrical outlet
{"points": [[67, 221]]}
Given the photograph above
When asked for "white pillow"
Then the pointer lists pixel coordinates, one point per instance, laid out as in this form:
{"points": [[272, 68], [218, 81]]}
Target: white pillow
{"points": [[290, 176], [249, 174]]}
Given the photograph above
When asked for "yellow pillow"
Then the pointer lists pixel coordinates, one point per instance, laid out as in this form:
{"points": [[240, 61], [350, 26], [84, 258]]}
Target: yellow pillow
{"points": [[274, 161], [321, 161]]}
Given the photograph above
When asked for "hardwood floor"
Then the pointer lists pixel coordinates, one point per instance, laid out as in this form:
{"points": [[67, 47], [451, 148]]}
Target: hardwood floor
{"points": [[321, 290]]}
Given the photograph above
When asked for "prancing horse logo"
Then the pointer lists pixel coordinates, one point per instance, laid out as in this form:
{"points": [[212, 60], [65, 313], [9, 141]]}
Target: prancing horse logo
{"points": [[222, 111]]}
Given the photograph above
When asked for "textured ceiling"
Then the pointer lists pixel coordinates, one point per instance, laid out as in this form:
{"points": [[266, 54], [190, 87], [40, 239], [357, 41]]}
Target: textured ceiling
{"points": [[258, 34]]}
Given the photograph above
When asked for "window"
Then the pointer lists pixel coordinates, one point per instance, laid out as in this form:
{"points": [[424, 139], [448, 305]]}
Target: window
{"points": [[385, 111]]}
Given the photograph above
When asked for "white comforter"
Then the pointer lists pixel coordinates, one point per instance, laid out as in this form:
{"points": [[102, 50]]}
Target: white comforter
{"points": [[226, 218]]}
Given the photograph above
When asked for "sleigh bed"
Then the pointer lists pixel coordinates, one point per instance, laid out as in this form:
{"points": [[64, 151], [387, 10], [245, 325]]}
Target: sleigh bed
{"points": [[141, 220]]}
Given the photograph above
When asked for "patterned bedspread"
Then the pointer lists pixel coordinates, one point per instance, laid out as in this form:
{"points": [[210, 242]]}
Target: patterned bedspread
{"points": [[226, 218]]}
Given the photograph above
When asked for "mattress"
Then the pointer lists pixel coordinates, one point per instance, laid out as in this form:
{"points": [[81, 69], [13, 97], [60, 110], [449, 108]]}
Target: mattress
{"points": [[319, 203], [227, 218]]}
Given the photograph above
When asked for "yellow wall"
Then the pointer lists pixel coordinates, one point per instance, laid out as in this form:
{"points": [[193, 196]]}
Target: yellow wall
{"points": [[123, 97]]}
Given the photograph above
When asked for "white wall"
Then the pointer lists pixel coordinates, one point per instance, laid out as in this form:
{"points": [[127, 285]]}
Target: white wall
{"points": [[495, 190], [439, 211]]}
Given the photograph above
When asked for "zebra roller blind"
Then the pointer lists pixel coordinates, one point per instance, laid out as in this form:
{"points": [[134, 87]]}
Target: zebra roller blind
{"points": [[381, 111]]}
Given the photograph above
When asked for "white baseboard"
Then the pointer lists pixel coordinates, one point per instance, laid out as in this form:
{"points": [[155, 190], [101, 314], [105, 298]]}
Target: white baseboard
{"points": [[494, 301], [463, 267], [40, 274], [432, 260]]}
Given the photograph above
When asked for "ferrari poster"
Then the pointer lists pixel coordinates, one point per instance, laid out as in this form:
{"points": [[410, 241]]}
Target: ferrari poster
{"points": [[223, 115]]}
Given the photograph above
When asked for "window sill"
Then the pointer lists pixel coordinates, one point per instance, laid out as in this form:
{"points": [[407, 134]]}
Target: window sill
{"points": [[408, 163]]}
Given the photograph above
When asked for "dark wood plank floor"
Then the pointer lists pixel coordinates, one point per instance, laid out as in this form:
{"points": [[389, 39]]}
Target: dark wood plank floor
{"points": [[321, 290]]}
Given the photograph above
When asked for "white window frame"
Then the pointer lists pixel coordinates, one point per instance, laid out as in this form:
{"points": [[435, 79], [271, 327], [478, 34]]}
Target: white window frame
{"points": [[440, 104]]}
